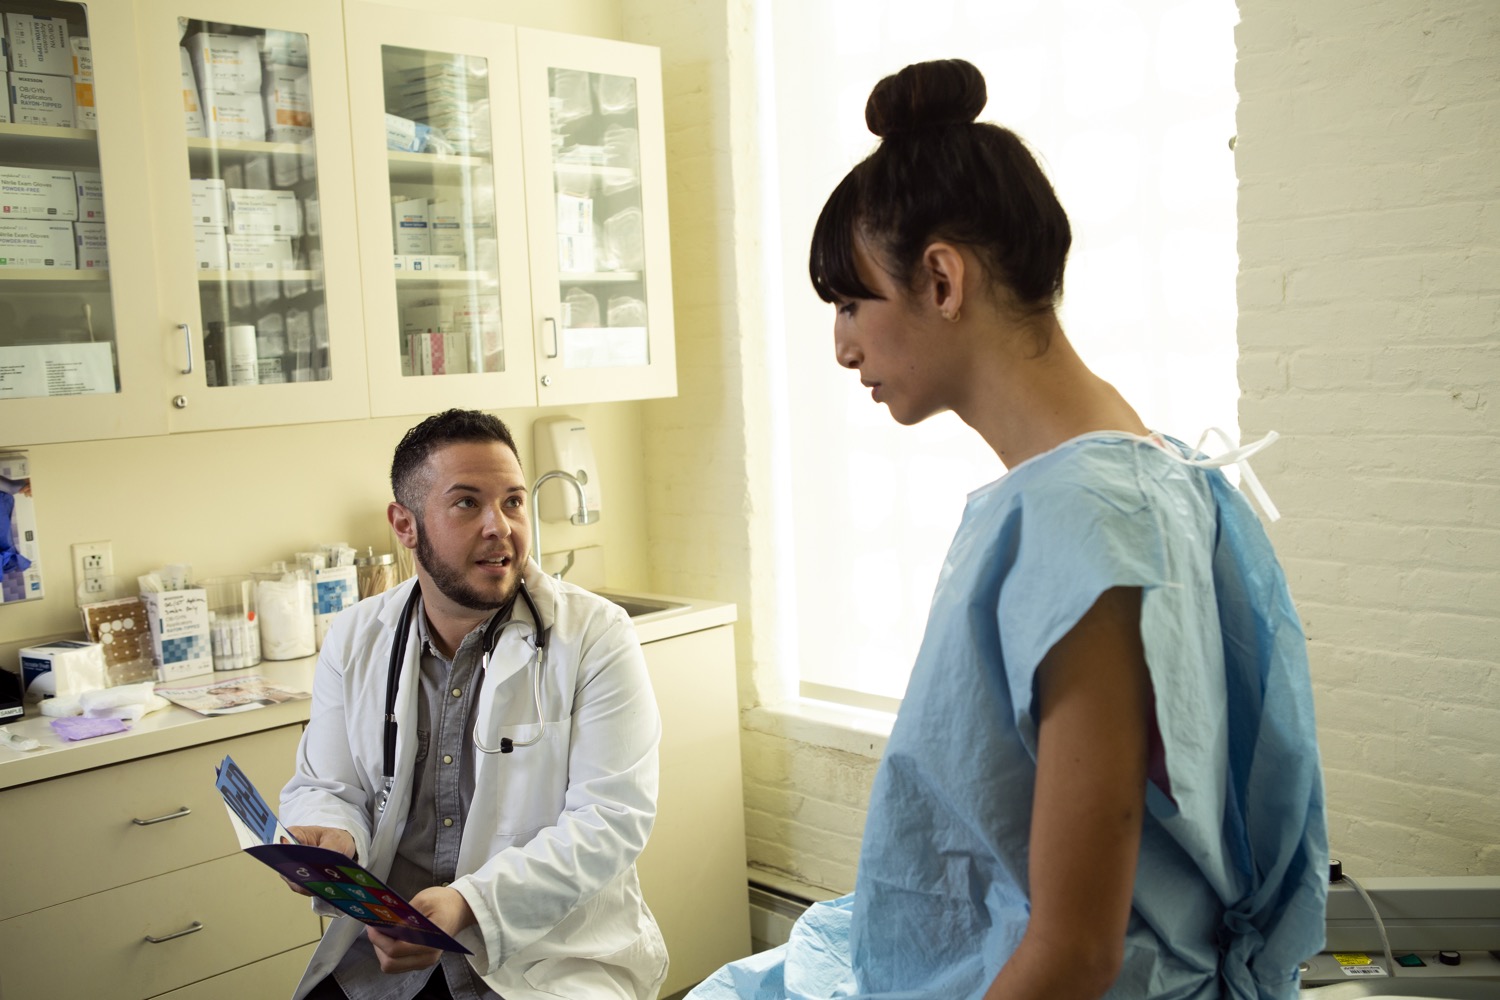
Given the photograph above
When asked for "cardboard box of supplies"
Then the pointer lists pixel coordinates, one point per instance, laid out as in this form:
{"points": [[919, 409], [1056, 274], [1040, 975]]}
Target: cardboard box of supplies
{"points": [[75, 667]]}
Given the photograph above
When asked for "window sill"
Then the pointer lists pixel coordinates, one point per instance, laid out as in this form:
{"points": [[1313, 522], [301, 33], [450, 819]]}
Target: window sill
{"points": [[823, 724]]}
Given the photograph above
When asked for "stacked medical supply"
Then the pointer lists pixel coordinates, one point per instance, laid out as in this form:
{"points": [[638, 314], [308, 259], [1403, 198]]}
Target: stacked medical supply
{"points": [[254, 86], [40, 74], [84, 113], [177, 613], [450, 99], [52, 219], [452, 333]]}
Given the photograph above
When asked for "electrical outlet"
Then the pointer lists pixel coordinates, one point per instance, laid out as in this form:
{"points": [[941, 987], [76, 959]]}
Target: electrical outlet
{"points": [[93, 565]]}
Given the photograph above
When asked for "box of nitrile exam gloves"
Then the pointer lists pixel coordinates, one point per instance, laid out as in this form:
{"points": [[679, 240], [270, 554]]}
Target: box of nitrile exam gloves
{"points": [[179, 633]]}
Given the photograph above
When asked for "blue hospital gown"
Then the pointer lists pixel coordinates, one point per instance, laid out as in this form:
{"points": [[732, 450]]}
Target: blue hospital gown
{"points": [[1231, 882]]}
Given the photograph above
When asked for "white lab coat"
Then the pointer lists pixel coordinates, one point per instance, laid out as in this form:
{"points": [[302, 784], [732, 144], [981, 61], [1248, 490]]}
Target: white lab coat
{"points": [[547, 858]]}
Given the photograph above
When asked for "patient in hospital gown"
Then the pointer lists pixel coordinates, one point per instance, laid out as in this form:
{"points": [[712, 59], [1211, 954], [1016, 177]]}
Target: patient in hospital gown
{"points": [[1229, 881]]}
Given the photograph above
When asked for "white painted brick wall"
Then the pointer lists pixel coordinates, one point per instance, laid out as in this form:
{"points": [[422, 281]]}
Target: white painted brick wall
{"points": [[1369, 306]]}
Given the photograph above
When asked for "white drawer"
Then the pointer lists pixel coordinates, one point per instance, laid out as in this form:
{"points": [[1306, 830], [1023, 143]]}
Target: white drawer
{"points": [[76, 835], [96, 946], [271, 978]]}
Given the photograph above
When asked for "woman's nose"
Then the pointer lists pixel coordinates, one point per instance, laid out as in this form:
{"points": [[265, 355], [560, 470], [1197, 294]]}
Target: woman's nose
{"points": [[845, 351]]}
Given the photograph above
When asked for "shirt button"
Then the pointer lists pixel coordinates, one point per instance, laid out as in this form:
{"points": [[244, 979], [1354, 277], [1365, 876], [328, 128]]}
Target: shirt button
{"points": [[447, 758], [448, 822], [457, 693]]}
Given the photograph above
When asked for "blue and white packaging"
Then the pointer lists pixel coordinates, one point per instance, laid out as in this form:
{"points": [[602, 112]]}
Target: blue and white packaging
{"points": [[181, 642], [69, 666], [334, 589]]}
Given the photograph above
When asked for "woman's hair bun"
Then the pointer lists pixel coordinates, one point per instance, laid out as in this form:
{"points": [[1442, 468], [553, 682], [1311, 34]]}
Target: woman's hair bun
{"points": [[926, 95]]}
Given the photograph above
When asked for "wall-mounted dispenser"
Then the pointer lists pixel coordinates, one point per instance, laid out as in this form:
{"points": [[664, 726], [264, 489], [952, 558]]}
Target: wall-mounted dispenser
{"points": [[563, 443]]}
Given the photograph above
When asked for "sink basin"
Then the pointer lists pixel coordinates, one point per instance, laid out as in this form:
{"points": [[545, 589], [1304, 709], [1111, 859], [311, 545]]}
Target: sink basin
{"points": [[641, 607]]}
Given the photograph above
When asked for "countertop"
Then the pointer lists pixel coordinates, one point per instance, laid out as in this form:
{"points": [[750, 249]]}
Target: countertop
{"points": [[174, 727]]}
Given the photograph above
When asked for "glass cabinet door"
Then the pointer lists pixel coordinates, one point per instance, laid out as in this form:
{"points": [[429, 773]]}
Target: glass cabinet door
{"points": [[265, 291], [443, 235], [71, 314], [597, 180]]}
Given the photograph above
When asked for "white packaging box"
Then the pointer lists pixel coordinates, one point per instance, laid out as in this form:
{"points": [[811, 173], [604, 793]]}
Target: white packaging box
{"points": [[208, 203], [420, 319], [253, 212], [287, 94], [37, 99], [209, 245], [38, 44], [30, 193], [75, 667], [83, 59], [90, 187], [444, 262], [91, 246], [4, 103], [259, 253], [398, 262], [283, 48], [84, 113], [257, 173], [232, 115], [36, 245], [180, 640], [575, 216], [409, 219], [446, 226], [192, 109], [225, 64], [575, 254]]}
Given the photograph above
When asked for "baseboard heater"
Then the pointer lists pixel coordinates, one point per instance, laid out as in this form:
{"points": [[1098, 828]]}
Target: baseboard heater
{"points": [[772, 913]]}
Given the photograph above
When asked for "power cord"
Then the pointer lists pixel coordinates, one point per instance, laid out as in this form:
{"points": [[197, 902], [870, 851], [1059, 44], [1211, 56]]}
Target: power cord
{"points": [[1336, 873]]}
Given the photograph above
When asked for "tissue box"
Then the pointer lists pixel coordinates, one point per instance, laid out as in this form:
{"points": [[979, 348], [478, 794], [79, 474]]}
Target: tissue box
{"points": [[75, 667], [180, 638]]}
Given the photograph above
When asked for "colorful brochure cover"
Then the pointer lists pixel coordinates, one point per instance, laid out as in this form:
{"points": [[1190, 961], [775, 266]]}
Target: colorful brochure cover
{"points": [[329, 874]]}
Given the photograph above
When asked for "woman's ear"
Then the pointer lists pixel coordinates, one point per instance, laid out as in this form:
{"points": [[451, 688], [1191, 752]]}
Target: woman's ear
{"points": [[944, 265]]}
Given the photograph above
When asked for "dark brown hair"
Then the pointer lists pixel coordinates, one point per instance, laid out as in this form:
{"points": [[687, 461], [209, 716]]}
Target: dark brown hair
{"points": [[435, 432], [940, 175]]}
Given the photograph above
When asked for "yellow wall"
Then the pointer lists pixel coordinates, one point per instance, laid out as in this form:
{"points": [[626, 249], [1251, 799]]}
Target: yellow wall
{"points": [[226, 502]]}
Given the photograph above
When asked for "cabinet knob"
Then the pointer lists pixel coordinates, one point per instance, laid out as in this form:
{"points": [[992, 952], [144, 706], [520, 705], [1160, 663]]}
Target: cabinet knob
{"points": [[546, 380], [180, 402]]}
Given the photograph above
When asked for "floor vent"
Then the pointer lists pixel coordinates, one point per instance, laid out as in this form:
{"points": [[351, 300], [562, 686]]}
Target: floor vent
{"points": [[772, 913]]}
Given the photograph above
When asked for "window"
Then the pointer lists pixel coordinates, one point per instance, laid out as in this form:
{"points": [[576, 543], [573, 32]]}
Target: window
{"points": [[1130, 108]]}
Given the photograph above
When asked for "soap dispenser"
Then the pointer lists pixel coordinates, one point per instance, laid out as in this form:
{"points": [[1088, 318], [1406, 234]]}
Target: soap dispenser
{"points": [[562, 443]]}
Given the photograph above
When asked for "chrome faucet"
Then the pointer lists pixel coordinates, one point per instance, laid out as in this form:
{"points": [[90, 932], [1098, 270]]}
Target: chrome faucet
{"points": [[582, 516]]}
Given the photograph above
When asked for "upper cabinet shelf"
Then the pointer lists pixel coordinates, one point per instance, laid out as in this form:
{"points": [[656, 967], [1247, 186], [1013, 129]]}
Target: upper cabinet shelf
{"points": [[393, 195]]}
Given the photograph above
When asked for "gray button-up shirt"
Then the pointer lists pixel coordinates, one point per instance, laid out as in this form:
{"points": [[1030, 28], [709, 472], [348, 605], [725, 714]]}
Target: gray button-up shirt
{"points": [[442, 790]]}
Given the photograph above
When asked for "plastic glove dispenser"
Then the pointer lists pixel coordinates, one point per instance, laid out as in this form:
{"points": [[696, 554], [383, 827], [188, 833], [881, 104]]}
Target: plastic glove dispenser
{"points": [[563, 443]]}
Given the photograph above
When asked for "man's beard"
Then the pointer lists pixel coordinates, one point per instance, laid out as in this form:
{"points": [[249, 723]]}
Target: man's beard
{"points": [[449, 580]]}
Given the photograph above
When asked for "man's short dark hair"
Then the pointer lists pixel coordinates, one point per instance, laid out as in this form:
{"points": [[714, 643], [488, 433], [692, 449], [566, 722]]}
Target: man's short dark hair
{"points": [[435, 432]]}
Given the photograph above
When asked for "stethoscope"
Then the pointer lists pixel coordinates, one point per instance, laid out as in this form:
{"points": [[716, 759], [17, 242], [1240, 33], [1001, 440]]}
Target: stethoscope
{"points": [[491, 636]]}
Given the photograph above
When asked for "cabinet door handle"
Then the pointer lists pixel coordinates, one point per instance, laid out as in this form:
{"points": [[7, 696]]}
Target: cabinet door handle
{"points": [[553, 324], [187, 335], [184, 811], [192, 928]]}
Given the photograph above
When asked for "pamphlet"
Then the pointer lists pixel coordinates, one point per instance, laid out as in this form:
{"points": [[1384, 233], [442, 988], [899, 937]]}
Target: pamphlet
{"points": [[329, 874], [230, 695]]}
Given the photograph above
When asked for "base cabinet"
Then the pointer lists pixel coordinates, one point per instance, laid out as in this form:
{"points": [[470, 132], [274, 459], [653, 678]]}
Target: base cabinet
{"points": [[105, 906], [693, 869]]}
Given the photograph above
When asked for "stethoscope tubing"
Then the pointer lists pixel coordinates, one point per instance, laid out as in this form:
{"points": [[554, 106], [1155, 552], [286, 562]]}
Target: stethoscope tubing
{"points": [[393, 681]]}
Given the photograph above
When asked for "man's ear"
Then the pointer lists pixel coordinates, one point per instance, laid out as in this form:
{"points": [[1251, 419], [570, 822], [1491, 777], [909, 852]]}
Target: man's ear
{"points": [[944, 265], [403, 523]]}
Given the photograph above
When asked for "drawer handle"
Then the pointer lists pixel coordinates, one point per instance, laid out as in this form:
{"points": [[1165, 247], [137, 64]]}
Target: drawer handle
{"points": [[184, 811], [193, 928]]}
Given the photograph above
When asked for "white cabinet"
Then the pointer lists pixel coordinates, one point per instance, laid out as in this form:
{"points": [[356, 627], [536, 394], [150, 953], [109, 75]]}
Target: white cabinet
{"points": [[543, 168], [540, 272], [693, 868], [594, 149], [270, 331], [140, 874]]}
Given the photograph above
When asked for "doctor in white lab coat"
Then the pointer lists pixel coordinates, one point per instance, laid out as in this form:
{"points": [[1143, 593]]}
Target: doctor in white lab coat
{"points": [[544, 891]]}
